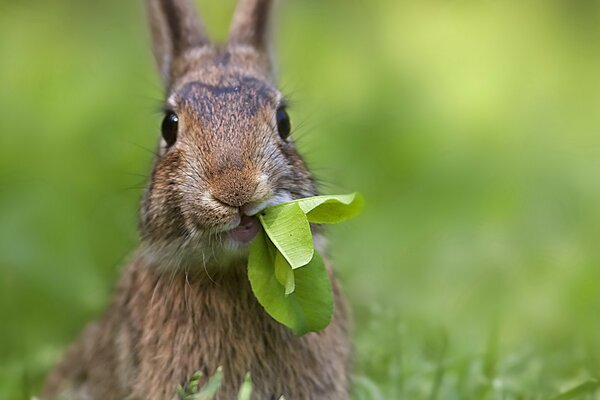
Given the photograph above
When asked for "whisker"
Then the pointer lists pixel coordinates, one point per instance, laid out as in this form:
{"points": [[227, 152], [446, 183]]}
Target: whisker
{"points": [[139, 146]]}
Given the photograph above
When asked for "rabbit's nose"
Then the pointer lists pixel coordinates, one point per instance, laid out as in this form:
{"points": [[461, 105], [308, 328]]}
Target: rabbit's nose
{"points": [[236, 197], [234, 188]]}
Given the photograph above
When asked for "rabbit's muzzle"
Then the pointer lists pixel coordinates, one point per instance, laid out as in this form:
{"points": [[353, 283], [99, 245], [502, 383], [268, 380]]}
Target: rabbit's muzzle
{"points": [[234, 187]]}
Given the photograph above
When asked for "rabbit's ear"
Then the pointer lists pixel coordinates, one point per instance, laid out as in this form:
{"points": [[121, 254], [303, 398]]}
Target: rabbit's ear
{"points": [[176, 28], [251, 25]]}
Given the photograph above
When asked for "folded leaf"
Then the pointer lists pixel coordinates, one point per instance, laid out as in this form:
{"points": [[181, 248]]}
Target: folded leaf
{"points": [[309, 308], [284, 273], [299, 298], [330, 209], [289, 230], [336, 209]]}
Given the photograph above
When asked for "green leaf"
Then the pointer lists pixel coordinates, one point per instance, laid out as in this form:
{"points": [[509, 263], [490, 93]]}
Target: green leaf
{"points": [[289, 230], [246, 389], [309, 308], [209, 390], [284, 273], [189, 390], [194, 382], [330, 209], [299, 298]]}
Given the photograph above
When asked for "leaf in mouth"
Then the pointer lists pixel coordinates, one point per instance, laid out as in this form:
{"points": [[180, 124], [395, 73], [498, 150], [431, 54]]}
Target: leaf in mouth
{"points": [[286, 273]]}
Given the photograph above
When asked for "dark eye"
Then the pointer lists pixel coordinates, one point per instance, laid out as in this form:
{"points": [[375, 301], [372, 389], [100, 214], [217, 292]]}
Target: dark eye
{"points": [[283, 123], [169, 128]]}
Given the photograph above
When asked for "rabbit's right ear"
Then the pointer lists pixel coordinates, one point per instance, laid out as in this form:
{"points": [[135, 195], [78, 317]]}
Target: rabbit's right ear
{"points": [[251, 27], [176, 28]]}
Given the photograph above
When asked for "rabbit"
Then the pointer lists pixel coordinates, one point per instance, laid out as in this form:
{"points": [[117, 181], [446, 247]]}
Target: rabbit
{"points": [[183, 303]]}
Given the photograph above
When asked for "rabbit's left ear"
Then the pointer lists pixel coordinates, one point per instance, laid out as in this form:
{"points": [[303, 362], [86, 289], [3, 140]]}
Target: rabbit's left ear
{"points": [[176, 28], [251, 26]]}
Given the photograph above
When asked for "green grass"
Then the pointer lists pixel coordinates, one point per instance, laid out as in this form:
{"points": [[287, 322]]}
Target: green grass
{"points": [[471, 128]]}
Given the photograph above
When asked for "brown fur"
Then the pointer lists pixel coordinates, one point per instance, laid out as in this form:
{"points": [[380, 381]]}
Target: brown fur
{"points": [[184, 303], [161, 329]]}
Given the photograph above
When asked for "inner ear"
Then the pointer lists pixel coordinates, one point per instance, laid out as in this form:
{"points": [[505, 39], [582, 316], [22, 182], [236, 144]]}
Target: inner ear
{"points": [[176, 28], [251, 24]]}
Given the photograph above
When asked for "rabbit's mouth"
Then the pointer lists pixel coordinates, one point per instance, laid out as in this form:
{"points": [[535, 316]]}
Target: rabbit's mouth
{"points": [[243, 233], [246, 231]]}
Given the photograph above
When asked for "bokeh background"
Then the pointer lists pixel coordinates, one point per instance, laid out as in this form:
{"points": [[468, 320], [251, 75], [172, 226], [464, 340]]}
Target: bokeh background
{"points": [[471, 127]]}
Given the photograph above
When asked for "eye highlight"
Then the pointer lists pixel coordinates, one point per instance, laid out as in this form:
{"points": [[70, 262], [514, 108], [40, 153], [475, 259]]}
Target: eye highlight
{"points": [[284, 125], [169, 128]]}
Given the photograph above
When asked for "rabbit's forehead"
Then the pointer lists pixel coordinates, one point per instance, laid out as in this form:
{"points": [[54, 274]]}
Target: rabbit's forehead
{"points": [[244, 96]]}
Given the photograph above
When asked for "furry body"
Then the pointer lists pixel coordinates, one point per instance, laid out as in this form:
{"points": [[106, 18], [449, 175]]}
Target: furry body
{"points": [[184, 303], [161, 328]]}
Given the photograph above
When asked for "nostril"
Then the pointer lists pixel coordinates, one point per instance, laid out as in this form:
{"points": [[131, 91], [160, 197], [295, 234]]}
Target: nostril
{"points": [[232, 198]]}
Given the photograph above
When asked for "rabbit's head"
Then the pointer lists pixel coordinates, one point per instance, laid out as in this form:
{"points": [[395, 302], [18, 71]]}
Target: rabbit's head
{"points": [[226, 151]]}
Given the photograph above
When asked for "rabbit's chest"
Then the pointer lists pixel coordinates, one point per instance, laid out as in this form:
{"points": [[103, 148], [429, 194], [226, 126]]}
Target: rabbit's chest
{"points": [[182, 327]]}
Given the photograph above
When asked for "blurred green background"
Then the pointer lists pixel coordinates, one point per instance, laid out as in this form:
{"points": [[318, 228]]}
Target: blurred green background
{"points": [[471, 127]]}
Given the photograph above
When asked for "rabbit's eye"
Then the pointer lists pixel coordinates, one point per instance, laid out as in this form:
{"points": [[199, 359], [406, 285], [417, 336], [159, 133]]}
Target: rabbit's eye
{"points": [[283, 123], [169, 128]]}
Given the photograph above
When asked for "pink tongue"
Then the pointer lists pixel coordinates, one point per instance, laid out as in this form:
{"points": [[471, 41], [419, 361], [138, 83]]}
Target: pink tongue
{"points": [[247, 229]]}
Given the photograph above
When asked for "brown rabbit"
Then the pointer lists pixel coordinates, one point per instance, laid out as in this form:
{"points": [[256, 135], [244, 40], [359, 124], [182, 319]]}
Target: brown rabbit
{"points": [[184, 303]]}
